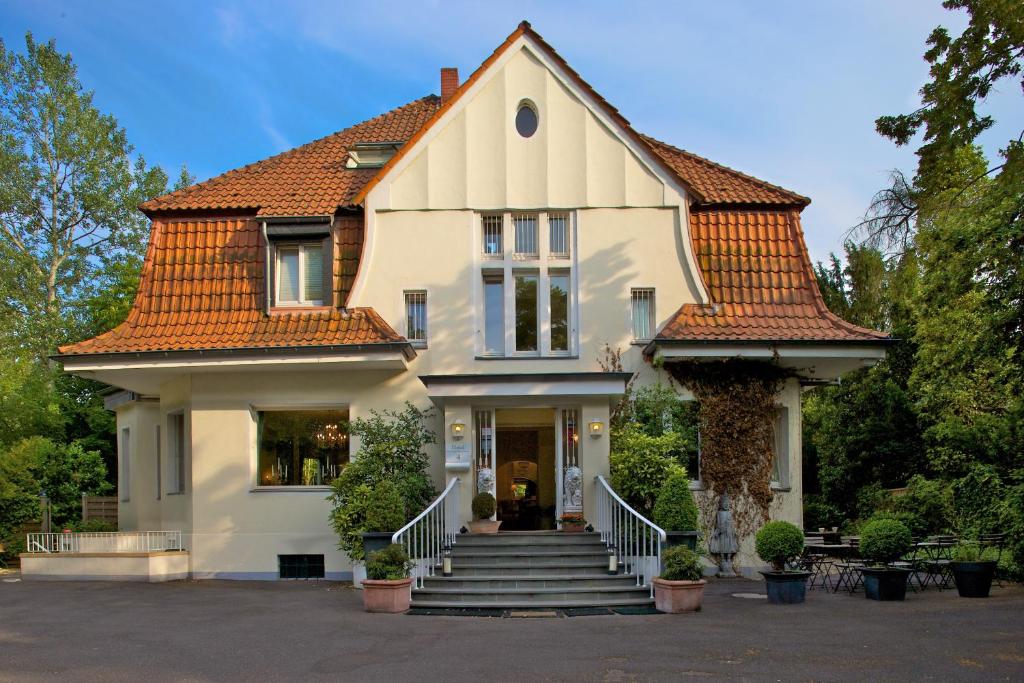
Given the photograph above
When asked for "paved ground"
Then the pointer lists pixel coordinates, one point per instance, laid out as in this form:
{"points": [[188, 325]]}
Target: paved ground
{"points": [[218, 631]]}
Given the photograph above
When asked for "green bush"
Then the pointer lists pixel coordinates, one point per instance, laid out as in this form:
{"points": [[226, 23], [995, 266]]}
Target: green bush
{"points": [[929, 499], [391, 448], [681, 564], [818, 513], [484, 506], [967, 551], [779, 542], [870, 499], [883, 541], [390, 564], [94, 526], [641, 463], [674, 509], [385, 510], [913, 521]]}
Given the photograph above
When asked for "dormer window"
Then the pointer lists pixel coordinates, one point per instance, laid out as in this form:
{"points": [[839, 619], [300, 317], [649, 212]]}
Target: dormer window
{"points": [[300, 260], [300, 275], [371, 154]]}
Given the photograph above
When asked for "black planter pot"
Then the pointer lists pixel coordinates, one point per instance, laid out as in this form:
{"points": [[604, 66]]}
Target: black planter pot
{"points": [[885, 583], [677, 538], [375, 540], [786, 588], [973, 579]]}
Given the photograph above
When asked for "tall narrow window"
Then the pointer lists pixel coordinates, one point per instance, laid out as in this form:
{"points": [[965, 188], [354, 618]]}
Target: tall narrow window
{"points": [[494, 314], [159, 465], [558, 235], [176, 446], [416, 317], [300, 275], [526, 235], [526, 311], [559, 293], [125, 469], [492, 242], [780, 456], [643, 313]]}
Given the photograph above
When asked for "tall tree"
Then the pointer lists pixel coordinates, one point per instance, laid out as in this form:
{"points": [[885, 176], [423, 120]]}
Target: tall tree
{"points": [[69, 189]]}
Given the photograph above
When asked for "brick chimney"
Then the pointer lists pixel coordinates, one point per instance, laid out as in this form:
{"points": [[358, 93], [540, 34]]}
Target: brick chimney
{"points": [[449, 82]]}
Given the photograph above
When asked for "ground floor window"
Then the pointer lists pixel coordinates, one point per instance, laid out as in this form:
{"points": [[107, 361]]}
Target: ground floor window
{"points": [[300, 566], [301, 447]]}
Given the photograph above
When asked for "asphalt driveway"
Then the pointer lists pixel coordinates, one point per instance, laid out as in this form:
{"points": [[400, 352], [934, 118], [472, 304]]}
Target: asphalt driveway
{"points": [[225, 631]]}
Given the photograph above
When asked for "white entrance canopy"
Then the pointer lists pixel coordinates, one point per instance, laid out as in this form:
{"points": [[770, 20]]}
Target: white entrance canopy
{"points": [[511, 389]]}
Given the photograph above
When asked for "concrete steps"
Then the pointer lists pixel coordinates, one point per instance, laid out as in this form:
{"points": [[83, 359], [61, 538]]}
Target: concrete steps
{"points": [[530, 570]]}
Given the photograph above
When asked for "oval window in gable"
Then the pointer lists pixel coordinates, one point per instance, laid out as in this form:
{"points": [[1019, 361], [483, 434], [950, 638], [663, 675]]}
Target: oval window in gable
{"points": [[526, 119]]}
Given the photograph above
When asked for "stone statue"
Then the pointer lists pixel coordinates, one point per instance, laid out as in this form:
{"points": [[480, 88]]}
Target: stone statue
{"points": [[485, 480], [724, 543], [573, 498]]}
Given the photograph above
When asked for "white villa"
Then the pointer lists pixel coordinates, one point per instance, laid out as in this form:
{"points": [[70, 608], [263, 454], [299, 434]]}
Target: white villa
{"points": [[475, 252]]}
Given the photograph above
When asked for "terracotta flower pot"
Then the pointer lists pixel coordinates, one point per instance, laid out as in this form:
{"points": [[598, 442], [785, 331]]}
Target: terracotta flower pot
{"points": [[387, 596], [676, 597], [484, 526]]}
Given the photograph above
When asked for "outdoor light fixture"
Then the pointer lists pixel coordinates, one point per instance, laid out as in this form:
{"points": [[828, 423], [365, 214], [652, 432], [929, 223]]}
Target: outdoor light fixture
{"points": [[596, 428], [446, 560], [458, 428], [613, 560]]}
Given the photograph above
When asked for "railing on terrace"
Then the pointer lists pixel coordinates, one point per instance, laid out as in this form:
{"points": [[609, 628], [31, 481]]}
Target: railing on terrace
{"points": [[104, 542], [427, 536], [637, 540]]}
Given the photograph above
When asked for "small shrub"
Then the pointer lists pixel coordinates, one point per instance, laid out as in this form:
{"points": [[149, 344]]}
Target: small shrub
{"points": [[385, 510], [779, 542], [883, 541], [674, 509], [681, 564], [390, 564], [484, 506], [967, 552]]}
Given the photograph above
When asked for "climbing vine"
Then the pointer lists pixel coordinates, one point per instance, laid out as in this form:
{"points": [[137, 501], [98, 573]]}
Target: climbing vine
{"points": [[737, 433]]}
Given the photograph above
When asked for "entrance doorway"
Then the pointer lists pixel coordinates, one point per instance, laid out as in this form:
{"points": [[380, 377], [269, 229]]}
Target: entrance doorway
{"points": [[525, 468]]}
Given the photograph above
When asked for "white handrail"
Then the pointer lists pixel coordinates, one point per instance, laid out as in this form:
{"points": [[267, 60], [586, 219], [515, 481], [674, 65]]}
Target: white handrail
{"points": [[635, 539], [427, 536]]}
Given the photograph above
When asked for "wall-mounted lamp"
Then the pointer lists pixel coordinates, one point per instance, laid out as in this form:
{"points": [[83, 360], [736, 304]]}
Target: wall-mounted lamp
{"points": [[596, 428], [458, 428]]}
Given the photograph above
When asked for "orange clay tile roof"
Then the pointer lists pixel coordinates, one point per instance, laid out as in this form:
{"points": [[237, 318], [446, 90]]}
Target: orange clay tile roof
{"points": [[202, 288], [762, 286], [311, 180]]}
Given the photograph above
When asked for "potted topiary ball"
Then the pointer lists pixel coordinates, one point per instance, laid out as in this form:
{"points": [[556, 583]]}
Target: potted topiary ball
{"points": [[385, 514], [779, 543], [882, 542], [387, 586], [484, 506], [972, 573], [680, 588], [676, 512]]}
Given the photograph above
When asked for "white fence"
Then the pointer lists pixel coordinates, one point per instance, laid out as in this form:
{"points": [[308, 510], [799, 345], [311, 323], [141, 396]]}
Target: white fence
{"points": [[104, 542]]}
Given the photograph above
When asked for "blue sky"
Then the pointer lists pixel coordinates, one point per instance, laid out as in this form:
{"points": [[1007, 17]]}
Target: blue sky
{"points": [[786, 91]]}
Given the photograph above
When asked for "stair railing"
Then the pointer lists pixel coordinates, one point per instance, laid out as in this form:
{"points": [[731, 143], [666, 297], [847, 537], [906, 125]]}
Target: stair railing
{"points": [[431, 532], [635, 539]]}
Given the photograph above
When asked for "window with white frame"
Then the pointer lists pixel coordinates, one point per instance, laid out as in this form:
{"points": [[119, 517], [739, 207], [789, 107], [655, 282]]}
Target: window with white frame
{"points": [[558, 235], [300, 274], [176, 450], [780, 454], [416, 316], [492, 242], [528, 293], [525, 225], [125, 468], [642, 308]]}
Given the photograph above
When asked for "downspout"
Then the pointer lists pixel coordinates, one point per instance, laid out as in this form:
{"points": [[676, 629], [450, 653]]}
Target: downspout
{"points": [[266, 269]]}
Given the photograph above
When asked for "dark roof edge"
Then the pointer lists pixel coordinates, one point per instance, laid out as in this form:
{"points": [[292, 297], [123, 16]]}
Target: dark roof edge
{"points": [[245, 352]]}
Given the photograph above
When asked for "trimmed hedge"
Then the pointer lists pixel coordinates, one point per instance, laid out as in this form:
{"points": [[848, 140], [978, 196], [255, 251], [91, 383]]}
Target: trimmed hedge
{"points": [[779, 542], [484, 506], [883, 541], [674, 509]]}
